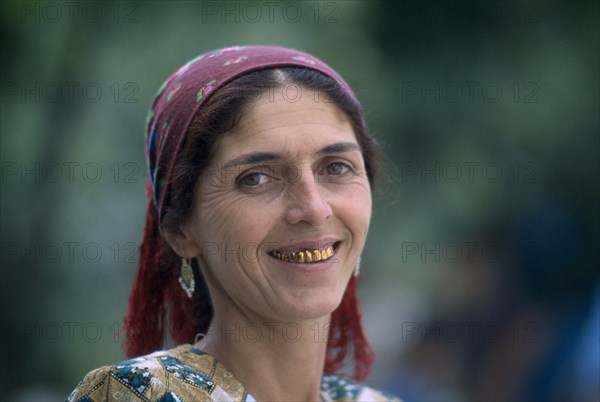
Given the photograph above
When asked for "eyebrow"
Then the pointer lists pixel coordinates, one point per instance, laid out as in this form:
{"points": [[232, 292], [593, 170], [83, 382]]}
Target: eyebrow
{"points": [[339, 147], [251, 158], [259, 157]]}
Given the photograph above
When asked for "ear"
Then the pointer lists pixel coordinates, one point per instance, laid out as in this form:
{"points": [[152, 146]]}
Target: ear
{"points": [[182, 241]]}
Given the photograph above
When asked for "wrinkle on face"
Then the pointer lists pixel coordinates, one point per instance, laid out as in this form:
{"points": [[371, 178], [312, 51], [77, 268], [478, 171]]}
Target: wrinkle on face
{"points": [[227, 214]]}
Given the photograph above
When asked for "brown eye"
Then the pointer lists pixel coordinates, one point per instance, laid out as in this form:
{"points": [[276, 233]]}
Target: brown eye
{"points": [[337, 169]]}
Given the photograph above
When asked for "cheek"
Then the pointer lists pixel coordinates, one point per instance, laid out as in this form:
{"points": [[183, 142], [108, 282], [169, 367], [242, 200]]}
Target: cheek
{"points": [[363, 215], [355, 207], [230, 220]]}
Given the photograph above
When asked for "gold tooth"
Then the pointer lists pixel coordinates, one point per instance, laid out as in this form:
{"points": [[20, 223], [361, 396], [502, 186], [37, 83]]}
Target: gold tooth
{"points": [[305, 256], [308, 256]]}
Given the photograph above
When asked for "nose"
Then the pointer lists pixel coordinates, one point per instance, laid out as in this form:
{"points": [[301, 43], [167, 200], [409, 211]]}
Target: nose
{"points": [[306, 201]]}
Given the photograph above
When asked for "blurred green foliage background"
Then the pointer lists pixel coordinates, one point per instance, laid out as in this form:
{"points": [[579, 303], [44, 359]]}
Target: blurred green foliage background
{"points": [[480, 277]]}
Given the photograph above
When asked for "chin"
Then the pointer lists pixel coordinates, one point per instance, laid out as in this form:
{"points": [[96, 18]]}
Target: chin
{"points": [[312, 308]]}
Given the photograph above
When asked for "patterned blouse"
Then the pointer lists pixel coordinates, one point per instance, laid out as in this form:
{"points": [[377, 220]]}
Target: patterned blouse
{"points": [[187, 374]]}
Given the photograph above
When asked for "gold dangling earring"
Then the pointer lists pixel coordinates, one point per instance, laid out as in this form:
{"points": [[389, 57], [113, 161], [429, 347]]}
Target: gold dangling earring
{"points": [[357, 267], [186, 277]]}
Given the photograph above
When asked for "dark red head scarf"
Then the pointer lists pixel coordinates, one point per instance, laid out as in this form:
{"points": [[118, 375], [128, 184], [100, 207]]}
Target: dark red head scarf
{"points": [[155, 293]]}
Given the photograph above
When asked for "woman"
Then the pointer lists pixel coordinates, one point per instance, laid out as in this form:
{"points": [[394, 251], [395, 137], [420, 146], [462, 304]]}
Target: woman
{"points": [[260, 200]]}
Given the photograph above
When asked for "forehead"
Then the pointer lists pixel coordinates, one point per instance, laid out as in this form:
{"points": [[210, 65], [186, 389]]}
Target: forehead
{"points": [[277, 122]]}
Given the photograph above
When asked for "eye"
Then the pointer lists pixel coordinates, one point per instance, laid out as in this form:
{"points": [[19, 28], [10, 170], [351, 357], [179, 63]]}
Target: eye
{"points": [[253, 179], [337, 168]]}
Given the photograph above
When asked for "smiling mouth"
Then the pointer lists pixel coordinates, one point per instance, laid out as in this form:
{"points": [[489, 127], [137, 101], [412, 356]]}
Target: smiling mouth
{"points": [[306, 256]]}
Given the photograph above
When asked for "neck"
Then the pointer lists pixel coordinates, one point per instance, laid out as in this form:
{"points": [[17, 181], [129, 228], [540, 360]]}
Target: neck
{"points": [[276, 361]]}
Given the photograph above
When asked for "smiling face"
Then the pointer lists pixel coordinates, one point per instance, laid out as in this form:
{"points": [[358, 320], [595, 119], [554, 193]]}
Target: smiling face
{"points": [[282, 212]]}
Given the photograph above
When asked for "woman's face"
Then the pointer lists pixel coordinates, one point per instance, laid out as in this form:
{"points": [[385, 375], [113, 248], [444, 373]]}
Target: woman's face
{"points": [[287, 185]]}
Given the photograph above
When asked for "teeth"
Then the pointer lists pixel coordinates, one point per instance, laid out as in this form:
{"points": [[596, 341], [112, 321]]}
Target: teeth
{"points": [[329, 252], [306, 256]]}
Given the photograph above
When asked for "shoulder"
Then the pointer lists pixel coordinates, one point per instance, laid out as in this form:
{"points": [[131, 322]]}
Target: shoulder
{"points": [[342, 389], [176, 375]]}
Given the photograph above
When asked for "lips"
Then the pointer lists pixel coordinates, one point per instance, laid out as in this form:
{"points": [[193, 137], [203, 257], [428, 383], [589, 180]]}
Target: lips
{"points": [[306, 255]]}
